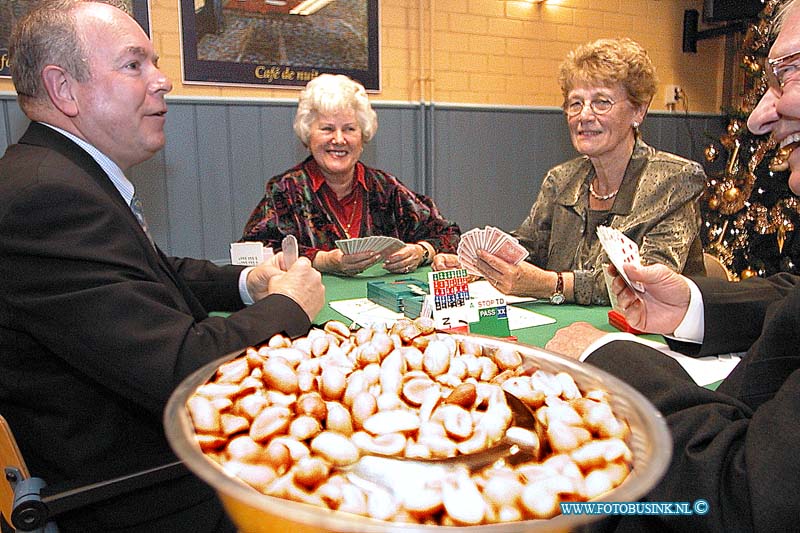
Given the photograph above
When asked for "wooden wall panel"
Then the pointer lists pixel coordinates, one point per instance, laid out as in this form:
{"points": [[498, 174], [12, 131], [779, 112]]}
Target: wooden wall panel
{"points": [[482, 164]]}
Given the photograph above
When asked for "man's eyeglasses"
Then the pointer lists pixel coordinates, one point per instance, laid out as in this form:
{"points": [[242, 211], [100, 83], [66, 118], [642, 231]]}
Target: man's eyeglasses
{"points": [[779, 69], [598, 107]]}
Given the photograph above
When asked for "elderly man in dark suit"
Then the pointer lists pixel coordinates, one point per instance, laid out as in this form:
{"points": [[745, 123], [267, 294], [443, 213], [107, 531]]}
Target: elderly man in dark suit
{"points": [[736, 447], [97, 325]]}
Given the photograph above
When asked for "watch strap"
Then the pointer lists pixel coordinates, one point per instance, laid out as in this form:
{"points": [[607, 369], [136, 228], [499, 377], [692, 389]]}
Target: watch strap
{"points": [[558, 297]]}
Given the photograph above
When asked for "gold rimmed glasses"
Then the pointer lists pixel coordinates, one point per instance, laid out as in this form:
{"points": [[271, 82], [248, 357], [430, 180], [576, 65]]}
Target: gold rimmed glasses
{"points": [[600, 106]]}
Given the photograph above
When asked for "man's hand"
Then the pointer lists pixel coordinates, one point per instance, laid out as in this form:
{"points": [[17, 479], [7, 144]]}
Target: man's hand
{"points": [[572, 340], [258, 278], [302, 284], [662, 305]]}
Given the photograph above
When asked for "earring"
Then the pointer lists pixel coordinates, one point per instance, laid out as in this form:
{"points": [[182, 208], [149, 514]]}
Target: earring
{"points": [[635, 125]]}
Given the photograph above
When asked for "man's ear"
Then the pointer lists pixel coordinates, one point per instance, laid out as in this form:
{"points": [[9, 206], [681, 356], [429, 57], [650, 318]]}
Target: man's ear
{"points": [[59, 85]]}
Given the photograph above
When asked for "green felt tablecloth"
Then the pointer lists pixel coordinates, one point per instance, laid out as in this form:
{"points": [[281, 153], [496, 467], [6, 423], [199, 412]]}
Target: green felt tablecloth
{"points": [[345, 288]]}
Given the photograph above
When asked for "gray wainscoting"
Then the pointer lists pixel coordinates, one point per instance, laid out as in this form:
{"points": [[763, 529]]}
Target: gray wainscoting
{"points": [[482, 164]]}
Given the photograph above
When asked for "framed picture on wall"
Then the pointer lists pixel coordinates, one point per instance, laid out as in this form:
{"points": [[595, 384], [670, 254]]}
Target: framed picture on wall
{"points": [[279, 43], [13, 10]]}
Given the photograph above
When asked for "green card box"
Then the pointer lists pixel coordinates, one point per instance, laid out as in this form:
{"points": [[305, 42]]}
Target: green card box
{"points": [[412, 307], [401, 295]]}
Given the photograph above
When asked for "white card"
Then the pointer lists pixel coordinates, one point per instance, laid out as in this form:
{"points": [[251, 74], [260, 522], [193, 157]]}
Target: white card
{"points": [[249, 253], [620, 250]]}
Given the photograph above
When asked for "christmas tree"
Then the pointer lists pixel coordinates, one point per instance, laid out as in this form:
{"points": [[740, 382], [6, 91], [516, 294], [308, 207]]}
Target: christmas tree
{"points": [[749, 213]]}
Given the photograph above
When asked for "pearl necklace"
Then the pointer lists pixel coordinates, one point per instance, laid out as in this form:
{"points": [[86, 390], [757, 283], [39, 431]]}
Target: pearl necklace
{"points": [[604, 197]]}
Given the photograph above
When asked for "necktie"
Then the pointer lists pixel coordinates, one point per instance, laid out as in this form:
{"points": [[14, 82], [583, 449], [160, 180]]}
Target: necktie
{"points": [[138, 212]]}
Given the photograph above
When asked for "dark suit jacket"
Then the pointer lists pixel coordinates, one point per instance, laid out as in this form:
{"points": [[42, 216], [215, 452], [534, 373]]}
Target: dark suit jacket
{"points": [[97, 328], [736, 447]]}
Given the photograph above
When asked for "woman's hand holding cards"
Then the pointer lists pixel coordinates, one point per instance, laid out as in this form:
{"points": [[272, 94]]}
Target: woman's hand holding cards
{"points": [[337, 262], [523, 279]]}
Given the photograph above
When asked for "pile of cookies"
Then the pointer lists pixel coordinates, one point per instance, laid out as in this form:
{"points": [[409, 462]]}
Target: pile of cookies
{"points": [[290, 417]]}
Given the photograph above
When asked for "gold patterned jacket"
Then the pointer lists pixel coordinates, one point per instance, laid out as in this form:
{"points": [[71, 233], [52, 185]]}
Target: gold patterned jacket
{"points": [[656, 206]]}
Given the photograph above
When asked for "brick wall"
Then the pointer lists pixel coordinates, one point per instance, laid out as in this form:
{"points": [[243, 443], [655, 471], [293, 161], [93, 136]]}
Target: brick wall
{"points": [[501, 52]]}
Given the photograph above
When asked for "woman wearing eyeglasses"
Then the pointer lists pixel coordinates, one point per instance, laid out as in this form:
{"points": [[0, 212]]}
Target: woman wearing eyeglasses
{"points": [[618, 181]]}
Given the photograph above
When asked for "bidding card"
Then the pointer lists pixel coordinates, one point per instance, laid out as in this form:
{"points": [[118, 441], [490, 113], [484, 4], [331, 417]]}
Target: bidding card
{"points": [[450, 294], [620, 250]]}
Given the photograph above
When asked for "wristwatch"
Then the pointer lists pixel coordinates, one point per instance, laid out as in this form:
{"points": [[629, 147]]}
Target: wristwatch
{"points": [[557, 298]]}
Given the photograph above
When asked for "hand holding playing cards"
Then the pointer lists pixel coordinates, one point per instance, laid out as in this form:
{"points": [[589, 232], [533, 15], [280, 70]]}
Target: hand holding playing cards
{"points": [[363, 252], [523, 279], [406, 259], [492, 240], [662, 305], [337, 262]]}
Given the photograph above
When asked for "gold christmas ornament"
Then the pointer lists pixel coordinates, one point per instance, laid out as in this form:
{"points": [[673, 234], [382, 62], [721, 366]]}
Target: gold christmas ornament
{"points": [[713, 203], [780, 162], [728, 141], [738, 184], [734, 126], [748, 273], [711, 153], [718, 247], [762, 148], [731, 195]]}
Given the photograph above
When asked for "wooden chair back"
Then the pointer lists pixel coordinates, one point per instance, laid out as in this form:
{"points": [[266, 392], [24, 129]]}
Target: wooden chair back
{"points": [[715, 268], [9, 456]]}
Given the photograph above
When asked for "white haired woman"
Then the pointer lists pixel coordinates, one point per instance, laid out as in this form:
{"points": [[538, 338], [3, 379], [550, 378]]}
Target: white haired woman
{"points": [[332, 195]]}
